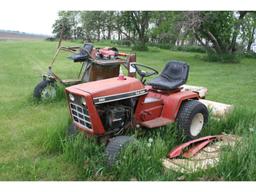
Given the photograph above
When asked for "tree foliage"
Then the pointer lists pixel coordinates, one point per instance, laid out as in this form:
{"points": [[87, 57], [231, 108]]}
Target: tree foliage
{"points": [[216, 31], [220, 33], [248, 30], [66, 25]]}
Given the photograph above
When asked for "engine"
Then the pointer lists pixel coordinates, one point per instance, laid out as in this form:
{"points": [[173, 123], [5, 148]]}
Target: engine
{"points": [[116, 116]]}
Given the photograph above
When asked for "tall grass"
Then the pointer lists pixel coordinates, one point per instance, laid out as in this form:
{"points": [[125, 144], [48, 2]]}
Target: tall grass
{"points": [[142, 160]]}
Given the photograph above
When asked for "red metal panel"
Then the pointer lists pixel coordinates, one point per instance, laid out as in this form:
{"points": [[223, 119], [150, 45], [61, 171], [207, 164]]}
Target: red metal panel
{"points": [[170, 100], [156, 122], [97, 127], [107, 87], [173, 101], [151, 113], [139, 108]]}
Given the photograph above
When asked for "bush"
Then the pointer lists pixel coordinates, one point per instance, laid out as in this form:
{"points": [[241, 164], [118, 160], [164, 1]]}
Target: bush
{"points": [[191, 48], [249, 55], [186, 48], [50, 39], [223, 57], [78, 41], [161, 45], [121, 42], [139, 47]]}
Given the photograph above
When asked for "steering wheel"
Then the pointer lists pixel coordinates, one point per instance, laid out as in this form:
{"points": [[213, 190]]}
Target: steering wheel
{"points": [[142, 73]]}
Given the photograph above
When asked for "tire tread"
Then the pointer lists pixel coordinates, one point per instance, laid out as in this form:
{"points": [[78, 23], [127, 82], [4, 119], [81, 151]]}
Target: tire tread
{"points": [[115, 146], [184, 116]]}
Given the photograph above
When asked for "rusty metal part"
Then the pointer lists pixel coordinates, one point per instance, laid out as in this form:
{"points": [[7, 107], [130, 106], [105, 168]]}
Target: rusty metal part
{"points": [[177, 151], [195, 149], [203, 159]]}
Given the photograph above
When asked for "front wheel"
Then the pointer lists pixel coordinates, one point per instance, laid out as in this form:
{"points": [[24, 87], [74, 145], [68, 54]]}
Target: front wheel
{"points": [[114, 147], [45, 90], [192, 117]]}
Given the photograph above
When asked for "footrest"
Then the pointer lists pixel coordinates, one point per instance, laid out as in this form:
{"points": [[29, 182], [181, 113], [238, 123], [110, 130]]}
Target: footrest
{"points": [[158, 122]]}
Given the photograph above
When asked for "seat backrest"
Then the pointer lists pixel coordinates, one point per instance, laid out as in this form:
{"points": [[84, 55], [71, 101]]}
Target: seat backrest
{"points": [[83, 54], [88, 47], [176, 70]]}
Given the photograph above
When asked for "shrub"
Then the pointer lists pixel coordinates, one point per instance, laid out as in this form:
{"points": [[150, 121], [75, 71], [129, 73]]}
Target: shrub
{"points": [[249, 55], [121, 42], [50, 39], [186, 48], [223, 57], [191, 48], [139, 47]]}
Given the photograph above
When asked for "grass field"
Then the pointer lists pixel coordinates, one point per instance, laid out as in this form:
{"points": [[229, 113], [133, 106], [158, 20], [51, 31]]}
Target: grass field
{"points": [[33, 145]]}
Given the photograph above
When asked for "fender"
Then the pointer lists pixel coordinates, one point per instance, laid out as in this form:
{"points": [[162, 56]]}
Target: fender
{"points": [[173, 102], [170, 102]]}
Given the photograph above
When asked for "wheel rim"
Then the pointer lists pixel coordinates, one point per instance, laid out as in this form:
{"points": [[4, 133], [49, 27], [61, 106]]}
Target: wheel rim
{"points": [[49, 92], [197, 124]]}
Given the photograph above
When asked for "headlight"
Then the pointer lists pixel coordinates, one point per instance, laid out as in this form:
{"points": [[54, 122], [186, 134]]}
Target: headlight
{"points": [[71, 97], [83, 101]]}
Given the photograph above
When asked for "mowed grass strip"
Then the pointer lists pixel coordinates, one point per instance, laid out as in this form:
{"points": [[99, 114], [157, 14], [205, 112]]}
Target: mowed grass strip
{"points": [[33, 143]]}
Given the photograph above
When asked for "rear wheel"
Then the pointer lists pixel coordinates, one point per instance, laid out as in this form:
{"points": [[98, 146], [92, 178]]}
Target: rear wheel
{"points": [[192, 117], [45, 90], [114, 147]]}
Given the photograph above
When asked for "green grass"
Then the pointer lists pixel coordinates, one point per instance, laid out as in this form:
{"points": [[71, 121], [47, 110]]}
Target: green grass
{"points": [[33, 142]]}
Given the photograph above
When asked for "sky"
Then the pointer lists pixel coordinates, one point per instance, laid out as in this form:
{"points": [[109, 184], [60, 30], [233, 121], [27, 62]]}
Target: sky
{"points": [[38, 16], [26, 19]]}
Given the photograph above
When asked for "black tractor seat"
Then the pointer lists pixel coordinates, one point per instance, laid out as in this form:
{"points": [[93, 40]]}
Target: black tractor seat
{"points": [[83, 55], [173, 75]]}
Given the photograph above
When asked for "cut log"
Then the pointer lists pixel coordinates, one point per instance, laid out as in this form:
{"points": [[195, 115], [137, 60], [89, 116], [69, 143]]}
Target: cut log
{"points": [[202, 91], [217, 109]]}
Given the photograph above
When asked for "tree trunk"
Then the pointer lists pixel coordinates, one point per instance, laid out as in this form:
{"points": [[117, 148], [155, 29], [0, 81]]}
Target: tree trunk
{"points": [[250, 41], [98, 35], [119, 35], [142, 42], [206, 46], [215, 42], [141, 20], [236, 31], [109, 33]]}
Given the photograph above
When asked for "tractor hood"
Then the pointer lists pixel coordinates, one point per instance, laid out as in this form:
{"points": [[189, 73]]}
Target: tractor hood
{"points": [[111, 89]]}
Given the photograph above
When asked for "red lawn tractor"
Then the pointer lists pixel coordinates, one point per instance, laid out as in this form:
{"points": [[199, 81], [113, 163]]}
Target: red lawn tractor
{"points": [[110, 106]]}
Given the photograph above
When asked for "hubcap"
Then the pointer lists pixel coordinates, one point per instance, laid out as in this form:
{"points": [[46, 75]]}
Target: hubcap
{"points": [[49, 92], [197, 124]]}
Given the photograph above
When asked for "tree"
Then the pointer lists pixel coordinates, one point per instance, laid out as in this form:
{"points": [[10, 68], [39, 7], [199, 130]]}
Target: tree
{"points": [[166, 27], [134, 25], [109, 23], [93, 23], [140, 21], [66, 24], [248, 30], [74, 19], [216, 31], [87, 25]]}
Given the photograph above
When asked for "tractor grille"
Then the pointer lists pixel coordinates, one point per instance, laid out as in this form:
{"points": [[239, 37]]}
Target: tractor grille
{"points": [[80, 115]]}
